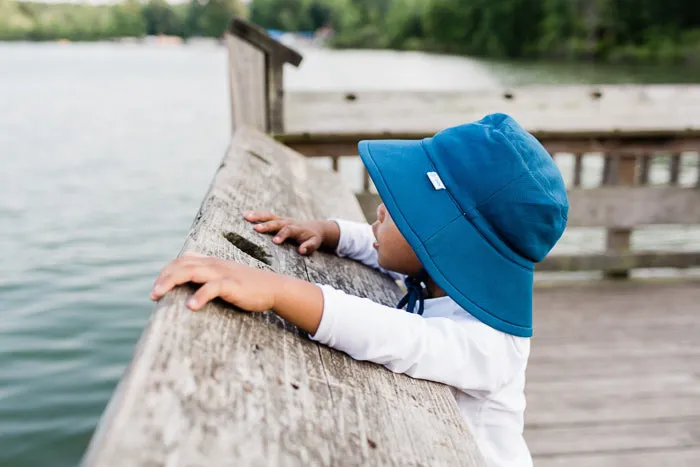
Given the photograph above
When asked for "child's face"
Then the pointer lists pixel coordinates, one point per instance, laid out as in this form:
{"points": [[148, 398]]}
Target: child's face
{"points": [[395, 254]]}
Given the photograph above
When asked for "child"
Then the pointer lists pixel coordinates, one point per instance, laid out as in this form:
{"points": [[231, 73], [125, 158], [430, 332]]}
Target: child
{"points": [[466, 215]]}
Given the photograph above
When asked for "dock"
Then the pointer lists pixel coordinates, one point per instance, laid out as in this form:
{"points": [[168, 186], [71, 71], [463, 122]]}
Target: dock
{"points": [[614, 374]]}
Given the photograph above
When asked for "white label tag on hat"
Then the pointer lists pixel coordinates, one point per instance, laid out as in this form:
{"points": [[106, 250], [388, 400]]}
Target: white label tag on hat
{"points": [[436, 181]]}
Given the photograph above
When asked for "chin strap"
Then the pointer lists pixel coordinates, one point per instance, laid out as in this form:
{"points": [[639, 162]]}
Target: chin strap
{"points": [[414, 285]]}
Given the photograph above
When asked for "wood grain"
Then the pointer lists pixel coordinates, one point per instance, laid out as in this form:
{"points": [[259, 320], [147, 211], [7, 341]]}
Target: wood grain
{"points": [[247, 85], [613, 375], [541, 109], [224, 387], [258, 37]]}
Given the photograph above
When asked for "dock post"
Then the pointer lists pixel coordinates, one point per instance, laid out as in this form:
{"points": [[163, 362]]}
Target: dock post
{"points": [[622, 170], [256, 77]]}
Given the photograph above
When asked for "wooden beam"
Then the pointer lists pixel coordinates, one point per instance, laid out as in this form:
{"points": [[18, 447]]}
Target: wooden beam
{"points": [[646, 110], [247, 85], [259, 38], [623, 172], [578, 169], [224, 387], [619, 261], [634, 143], [629, 207], [613, 207], [674, 169]]}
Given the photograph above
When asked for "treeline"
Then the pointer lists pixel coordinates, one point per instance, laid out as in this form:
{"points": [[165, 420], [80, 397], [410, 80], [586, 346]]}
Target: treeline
{"points": [[130, 18], [610, 30]]}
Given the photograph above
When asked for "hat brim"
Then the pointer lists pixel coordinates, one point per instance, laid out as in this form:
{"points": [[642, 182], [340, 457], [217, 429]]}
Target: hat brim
{"points": [[471, 265]]}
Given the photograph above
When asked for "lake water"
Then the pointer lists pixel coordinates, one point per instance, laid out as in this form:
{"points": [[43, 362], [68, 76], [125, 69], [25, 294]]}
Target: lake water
{"points": [[106, 152]]}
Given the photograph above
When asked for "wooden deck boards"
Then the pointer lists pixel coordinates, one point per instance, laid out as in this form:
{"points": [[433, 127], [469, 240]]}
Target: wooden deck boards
{"points": [[614, 376]]}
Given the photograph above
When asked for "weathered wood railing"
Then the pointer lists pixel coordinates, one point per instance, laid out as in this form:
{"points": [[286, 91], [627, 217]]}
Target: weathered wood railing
{"points": [[623, 200], [222, 387], [626, 125]]}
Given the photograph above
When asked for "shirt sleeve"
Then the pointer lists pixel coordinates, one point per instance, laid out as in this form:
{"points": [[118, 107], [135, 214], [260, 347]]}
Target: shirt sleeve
{"points": [[356, 242], [458, 351]]}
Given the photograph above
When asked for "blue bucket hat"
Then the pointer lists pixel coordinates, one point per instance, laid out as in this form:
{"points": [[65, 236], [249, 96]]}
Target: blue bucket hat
{"points": [[480, 204]]}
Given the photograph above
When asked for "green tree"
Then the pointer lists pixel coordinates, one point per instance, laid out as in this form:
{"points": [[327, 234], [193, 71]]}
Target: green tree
{"points": [[128, 19], [14, 23], [213, 16], [161, 18]]}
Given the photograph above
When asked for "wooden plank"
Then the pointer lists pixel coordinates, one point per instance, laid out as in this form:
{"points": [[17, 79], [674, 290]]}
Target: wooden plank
{"points": [[612, 378], [626, 207], [259, 38], [612, 437], [320, 144], [616, 207], [613, 261], [674, 169], [686, 457], [644, 166], [578, 169], [623, 108], [226, 387], [275, 94], [598, 366], [247, 85], [623, 172]]}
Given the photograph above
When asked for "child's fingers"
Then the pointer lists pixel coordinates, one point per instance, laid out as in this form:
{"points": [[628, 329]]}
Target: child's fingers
{"points": [[260, 216], [310, 245], [206, 293], [271, 226], [288, 231], [192, 272]]}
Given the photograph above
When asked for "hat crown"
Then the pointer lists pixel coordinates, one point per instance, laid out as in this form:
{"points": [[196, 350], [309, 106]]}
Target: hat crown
{"points": [[497, 171]]}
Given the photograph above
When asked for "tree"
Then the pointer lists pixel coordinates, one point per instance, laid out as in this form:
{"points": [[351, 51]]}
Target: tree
{"points": [[128, 19], [14, 23], [214, 16], [160, 18]]}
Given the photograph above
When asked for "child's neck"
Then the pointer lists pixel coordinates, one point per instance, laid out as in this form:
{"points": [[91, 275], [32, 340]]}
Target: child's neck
{"points": [[434, 290]]}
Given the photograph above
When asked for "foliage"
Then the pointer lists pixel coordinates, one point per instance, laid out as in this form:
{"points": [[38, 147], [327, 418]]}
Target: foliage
{"points": [[128, 18], [612, 30], [635, 30]]}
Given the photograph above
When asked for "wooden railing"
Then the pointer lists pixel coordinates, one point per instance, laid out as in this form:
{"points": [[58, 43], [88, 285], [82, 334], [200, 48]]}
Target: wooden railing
{"points": [[628, 126], [222, 387], [622, 201]]}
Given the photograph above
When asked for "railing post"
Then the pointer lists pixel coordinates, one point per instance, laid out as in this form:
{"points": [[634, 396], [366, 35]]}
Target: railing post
{"points": [[621, 170], [578, 170], [256, 77]]}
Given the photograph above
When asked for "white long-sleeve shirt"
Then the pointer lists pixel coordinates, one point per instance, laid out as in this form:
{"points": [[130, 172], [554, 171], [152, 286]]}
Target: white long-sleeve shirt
{"points": [[486, 367]]}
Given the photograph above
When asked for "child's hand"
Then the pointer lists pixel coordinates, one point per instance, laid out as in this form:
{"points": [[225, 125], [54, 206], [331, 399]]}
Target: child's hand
{"points": [[248, 288], [310, 235]]}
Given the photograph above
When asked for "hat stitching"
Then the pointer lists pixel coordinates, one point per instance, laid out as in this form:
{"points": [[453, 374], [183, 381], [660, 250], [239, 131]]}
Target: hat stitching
{"points": [[474, 213], [529, 172]]}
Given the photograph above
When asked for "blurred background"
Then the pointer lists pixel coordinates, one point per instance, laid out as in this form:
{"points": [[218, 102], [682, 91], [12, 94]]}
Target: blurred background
{"points": [[114, 117]]}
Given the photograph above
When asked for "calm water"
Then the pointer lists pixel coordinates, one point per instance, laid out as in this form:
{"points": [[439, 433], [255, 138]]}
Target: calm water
{"points": [[105, 153]]}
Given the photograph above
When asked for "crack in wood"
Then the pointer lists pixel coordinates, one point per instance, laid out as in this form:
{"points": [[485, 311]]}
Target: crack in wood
{"points": [[258, 157], [248, 247]]}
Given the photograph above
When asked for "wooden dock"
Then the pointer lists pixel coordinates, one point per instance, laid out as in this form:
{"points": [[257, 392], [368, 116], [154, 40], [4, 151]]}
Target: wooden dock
{"points": [[614, 376]]}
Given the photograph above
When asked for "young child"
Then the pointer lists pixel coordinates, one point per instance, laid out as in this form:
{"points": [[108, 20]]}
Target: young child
{"points": [[466, 215]]}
